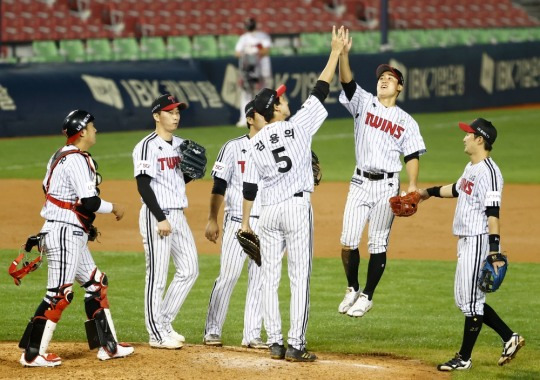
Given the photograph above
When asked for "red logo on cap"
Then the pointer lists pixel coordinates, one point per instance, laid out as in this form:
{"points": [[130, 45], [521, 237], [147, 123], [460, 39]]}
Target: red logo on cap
{"points": [[171, 98]]}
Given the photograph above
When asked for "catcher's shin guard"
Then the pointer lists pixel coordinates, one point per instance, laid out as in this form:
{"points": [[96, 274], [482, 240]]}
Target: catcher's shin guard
{"points": [[99, 326], [36, 338], [40, 329]]}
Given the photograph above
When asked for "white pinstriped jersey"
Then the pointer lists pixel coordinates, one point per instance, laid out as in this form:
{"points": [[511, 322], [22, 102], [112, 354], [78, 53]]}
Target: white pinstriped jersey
{"points": [[479, 186], [280, 154], [72, 179], [381, 134], [230, 166], [160, 160]]}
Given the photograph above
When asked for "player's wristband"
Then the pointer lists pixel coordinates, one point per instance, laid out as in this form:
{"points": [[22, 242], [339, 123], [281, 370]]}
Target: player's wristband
{"points": [[105, 207], [494, 242], [434, 191]]}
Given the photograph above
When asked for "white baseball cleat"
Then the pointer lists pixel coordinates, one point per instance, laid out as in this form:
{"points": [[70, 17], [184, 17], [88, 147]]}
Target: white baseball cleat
{"points": [[179, 337], [122, 350], [511, 348], [212, 340], [360, 307], [45, 360], [256, 343], [350, 298], [167, 343]]}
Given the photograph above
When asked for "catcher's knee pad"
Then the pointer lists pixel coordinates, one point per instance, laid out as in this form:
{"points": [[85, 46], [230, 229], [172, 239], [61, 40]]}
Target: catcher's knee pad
{"points": [[58, 302], [96, 293]]}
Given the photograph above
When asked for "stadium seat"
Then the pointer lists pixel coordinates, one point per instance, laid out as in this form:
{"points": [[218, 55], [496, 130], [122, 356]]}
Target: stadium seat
{"points": [[226, 44], [125, 49], [282, 46], [365, 42], [45, 51], [204, 47], [98, 49], [313, 43], [178, 47], [153, 48], [72, 50]]}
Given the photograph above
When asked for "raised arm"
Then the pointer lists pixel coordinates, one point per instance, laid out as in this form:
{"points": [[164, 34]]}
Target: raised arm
{"points": [[345, 73], [338, 42]]}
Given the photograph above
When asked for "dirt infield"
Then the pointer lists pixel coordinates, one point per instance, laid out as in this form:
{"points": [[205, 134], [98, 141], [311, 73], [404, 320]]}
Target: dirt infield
{"points": [[200, 362], [427, 235]]}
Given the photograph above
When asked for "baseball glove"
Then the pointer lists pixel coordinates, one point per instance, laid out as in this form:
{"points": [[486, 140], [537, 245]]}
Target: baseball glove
{"points": [[316, 166], [489, 281], [250, 244], [405, 205], [194, 159]]}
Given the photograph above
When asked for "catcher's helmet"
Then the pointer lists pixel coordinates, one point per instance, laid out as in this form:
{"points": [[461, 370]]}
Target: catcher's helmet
{"points": [[74, 123]]}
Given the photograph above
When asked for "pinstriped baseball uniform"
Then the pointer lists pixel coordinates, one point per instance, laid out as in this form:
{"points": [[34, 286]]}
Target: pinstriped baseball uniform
{"points": [[230, 166], [280, 156], [479, 186], [68, 256], [381, 135], [160, 160]]}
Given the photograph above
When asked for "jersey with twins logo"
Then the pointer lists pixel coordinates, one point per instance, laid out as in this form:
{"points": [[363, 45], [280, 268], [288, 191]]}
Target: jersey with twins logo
{"points": [[381, 134], [73, 178], [230, 166], [280, 154], [161, 160], [479, 186]]}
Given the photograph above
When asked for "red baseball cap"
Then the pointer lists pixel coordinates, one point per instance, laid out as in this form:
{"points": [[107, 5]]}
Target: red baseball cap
{"points": [[167, 102], [395, 72]]}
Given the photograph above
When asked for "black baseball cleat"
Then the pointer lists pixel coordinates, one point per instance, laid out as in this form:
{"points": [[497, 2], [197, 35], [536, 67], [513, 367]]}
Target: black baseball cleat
{"points": [[457, 363], [277, 351], [294, 355]]}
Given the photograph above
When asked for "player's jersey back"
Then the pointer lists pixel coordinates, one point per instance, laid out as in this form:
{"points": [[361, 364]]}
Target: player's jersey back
{"points": [[230, 166], [161, 160], [72, 179], [381, 134], [479, 186], [280, 154]]}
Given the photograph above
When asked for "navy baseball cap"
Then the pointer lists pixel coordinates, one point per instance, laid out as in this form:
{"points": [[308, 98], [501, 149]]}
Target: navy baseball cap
{"points": [[167, 102], [250, 108], [481, 127], [395, 72], [74, 123], [266, 98]]}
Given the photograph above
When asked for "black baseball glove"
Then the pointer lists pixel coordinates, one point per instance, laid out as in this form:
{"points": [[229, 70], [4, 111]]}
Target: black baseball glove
{"points": [[194, 159], [250, 244], [316, 166], [489, 281]]}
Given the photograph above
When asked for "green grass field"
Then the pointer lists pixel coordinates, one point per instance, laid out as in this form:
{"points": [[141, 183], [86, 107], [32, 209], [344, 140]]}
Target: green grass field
{"points": [[414, 313], [514, 150]]}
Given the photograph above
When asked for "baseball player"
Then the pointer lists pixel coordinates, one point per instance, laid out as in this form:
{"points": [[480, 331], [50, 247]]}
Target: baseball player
{"points": [[476, 224], [70, 187], [227, 173], [382, 133], [162, 223], [279, 159], [254, 66]]}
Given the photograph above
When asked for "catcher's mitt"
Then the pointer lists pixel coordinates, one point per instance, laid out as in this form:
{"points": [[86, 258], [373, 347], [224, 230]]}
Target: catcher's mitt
{"points": [[194, 160], [405, 205], [316, 166], [489, 281], [250, 244]]}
